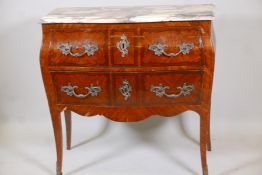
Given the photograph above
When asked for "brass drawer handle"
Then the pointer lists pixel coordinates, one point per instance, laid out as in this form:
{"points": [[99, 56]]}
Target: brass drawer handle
{"points": [[92, 90], [159, 49], [89, 49], [123, 45], [125, 89], [160, 90]]}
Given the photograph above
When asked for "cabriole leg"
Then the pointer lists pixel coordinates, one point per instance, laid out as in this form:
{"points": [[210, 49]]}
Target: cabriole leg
{"points": [[203, 140], [56, 121], [209, 148], [68, 121]]}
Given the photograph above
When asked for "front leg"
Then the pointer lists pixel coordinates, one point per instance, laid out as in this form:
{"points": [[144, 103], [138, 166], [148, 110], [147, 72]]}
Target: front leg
{"points": [[203, 139], [209, 148], [56, 121], [68, 121]]}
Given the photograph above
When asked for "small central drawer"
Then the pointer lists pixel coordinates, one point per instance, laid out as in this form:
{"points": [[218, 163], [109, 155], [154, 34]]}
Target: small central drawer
{"points": [[123, 47]]}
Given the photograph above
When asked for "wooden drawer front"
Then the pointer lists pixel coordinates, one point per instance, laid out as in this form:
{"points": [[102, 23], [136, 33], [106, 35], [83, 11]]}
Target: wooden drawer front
{"points": [[123, 47], [82, 88], [78, 48], [171, 46], [172, 88], [125, 89]]}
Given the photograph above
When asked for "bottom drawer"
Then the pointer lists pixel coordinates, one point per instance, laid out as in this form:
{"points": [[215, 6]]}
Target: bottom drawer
{"points": [[172, 88], [124, 89]]}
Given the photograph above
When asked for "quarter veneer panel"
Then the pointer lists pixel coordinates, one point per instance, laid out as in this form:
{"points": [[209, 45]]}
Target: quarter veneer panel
{"points": [[173, 82], [81, 80], [172, 38], [78, 38]]}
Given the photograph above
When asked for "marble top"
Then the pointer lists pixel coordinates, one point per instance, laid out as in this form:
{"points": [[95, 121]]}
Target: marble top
{"points": [[130, 14]]}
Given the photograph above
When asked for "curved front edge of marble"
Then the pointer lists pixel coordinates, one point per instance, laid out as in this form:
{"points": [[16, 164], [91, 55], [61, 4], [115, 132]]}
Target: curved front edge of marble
{"points": [[135, 14]]}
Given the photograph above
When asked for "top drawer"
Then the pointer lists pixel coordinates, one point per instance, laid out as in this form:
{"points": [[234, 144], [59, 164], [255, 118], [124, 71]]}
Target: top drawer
{"points": [[171, 46], [128, 45], [78, 47]]}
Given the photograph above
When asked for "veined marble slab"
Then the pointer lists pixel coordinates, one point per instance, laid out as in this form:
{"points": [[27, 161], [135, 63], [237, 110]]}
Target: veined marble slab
{"points": [[130, 14]]}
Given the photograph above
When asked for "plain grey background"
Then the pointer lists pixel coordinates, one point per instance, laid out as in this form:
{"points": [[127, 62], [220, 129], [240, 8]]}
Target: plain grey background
{"points": [[236, 100]]}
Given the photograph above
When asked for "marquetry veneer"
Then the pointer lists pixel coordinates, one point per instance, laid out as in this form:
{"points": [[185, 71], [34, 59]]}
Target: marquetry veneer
{"points": [[128, 72]]}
